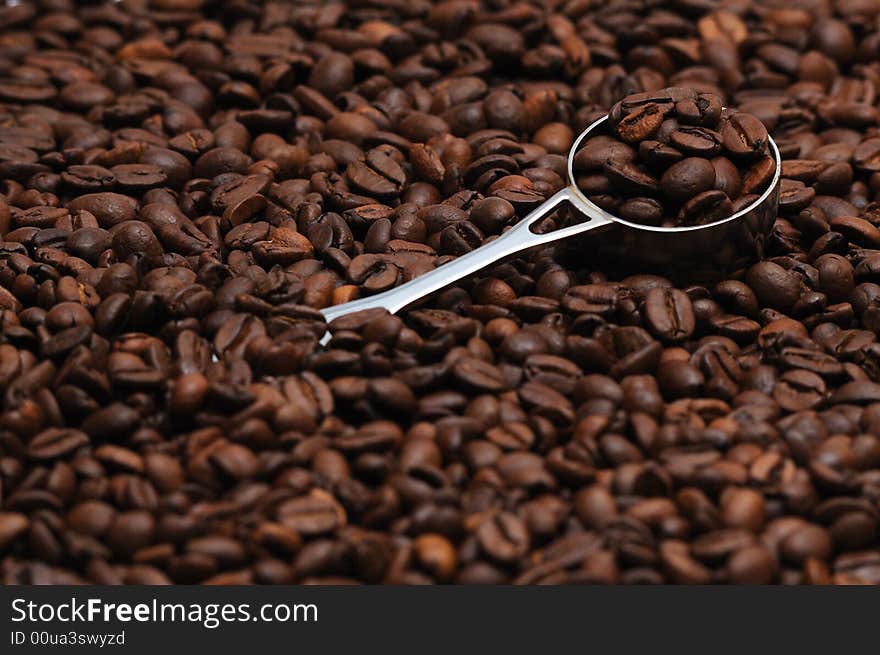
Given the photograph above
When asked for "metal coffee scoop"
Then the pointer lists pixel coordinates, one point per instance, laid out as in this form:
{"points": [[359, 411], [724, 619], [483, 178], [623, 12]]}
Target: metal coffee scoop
{"points": [[725, 245]]}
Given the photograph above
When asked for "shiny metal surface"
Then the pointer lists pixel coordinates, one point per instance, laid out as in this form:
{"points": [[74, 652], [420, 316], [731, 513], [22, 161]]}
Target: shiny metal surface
{"points": [[717, 247]]}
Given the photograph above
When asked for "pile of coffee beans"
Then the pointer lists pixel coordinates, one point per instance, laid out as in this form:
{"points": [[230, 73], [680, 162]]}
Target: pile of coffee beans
{"points": [[185, 183], [675, 157]]}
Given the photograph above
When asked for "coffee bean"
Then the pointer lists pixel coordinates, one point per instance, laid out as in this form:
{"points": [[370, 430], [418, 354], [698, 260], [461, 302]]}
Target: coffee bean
{"points": [[656, 154], [595, 506], [705, 109], [773, 285], [706, 207], [696, 141], [479, 375], [315, 514], [332, 74], [12, 526], [373, 272], [727, 177], [646, 211], [111, 422], [669, 314], [805, 541], [744, 135], [752, 565], [688, 178], [55, 443], [503, 537], [88, 178], [682, 568], [641, 123], [629, 179], [799, 389], [380, 176], [600, 149], [436, 554], [131, 531], [867, 154], [743, 508], [679, 379], [758, 176], [108, 208]]}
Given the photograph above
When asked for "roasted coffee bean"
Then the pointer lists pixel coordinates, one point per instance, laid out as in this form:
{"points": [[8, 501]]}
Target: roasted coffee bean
{"points": [[727, 177], [752, 565], [374, 273], [629, 179], [688, 178], [379, 176], [646, 211], [867, 154], [757, 178], [596, 151], [639, 124], [56, 442], [773, 285], [13, 525], [798, 390], [696, 141], [503, 537], [706, 207], [88, 178], [669, 314], [665, 99], [311, 515], [655, 154], [705, 109], [744, 135], [679, 379]]}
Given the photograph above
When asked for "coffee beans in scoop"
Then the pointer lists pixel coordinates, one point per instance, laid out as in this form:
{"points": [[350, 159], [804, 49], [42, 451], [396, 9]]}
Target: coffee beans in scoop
{"points": [[675, 157]]}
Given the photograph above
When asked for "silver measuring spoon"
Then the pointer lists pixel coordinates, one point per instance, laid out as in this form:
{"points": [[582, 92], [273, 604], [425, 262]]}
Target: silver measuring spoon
{"points": [[732, 242]]}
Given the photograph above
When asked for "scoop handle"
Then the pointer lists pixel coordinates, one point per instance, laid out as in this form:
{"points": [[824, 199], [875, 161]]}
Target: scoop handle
{"points": [[516, 239]]}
